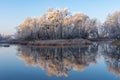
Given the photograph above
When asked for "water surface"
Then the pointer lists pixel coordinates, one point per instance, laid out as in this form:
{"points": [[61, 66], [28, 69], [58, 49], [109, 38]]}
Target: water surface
{"points": [[100, 61]]}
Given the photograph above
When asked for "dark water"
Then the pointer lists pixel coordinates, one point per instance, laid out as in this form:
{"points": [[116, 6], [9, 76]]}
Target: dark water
{"points": [[95, 62]]}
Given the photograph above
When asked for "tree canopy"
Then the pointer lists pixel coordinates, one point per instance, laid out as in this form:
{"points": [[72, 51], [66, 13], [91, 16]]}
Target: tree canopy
{"points": [[61, 24]]}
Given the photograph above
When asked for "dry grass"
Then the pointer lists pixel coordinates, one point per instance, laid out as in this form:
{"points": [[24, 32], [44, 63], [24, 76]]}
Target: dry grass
{"points": [[60, 42], [116, 42], [53, 42]]}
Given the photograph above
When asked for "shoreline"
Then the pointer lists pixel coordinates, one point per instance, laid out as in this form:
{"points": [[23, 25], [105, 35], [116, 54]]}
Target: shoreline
{"points": [[62, 42]]}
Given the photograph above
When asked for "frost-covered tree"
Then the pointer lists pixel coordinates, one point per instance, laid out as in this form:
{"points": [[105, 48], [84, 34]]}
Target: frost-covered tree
{"points": [[112, 25], [93, 29], [78, 20], [58, 24], [25, 29], [5, 37]]}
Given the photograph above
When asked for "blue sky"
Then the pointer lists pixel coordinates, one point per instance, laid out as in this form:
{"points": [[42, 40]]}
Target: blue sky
{"points": [[13, 12]]}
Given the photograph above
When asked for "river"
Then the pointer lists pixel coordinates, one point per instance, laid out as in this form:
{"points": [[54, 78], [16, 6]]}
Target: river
{"points": [[100, 61]]}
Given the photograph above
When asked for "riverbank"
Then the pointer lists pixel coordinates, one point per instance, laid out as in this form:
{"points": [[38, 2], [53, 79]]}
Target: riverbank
{"points": [[61, 42], [52, 42], [116, 42]]}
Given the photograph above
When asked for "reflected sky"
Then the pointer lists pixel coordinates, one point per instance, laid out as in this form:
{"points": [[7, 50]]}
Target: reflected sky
{"points": [[95, 62]]}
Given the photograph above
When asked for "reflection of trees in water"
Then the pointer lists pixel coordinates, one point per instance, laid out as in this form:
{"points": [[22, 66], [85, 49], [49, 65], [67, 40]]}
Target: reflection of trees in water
{"points": [[112, 59], [58, 60]]}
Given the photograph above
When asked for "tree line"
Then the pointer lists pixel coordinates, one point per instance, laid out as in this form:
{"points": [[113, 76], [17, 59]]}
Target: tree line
{"points": [[4, 37], [61, 24]]}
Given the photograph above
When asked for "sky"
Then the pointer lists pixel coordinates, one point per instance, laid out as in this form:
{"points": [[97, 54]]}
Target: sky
{"points": [[13, 12]]}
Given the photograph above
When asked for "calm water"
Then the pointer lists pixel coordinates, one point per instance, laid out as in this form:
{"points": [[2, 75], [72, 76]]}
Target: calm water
{"points": [[96, 62]]}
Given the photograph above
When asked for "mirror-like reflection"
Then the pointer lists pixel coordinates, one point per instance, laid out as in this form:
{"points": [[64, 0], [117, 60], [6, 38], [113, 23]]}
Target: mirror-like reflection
{"points": [[59, 60], [100, 61], [112, 58]]}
